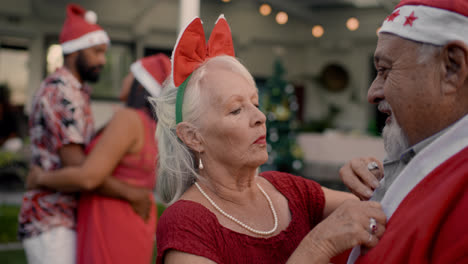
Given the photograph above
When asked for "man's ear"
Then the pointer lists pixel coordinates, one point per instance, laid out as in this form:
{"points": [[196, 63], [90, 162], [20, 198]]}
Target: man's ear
{"points": [[189, 134], [70, 58], [455, 65]]}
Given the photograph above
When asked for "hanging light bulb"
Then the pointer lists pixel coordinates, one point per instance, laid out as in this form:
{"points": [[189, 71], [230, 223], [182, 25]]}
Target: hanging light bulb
{"points": [[317, 31], [226, 1], [352, 24], [265, 9], [281, 18]]}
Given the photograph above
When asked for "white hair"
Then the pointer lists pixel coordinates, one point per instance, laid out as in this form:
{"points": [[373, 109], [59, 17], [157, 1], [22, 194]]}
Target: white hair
{"points": [[427, 52], [176, 161], [395, 139]]}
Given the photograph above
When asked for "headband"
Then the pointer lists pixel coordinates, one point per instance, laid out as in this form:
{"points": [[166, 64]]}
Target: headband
{"points": [[191, 51], [436, 25]]}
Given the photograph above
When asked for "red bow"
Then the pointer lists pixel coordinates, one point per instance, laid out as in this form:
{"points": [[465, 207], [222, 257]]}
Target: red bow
{"points": [[191, 49]]}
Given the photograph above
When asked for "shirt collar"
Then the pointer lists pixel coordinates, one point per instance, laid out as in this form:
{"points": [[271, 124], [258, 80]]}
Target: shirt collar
{"points": [[409, 153], [73, 81]]}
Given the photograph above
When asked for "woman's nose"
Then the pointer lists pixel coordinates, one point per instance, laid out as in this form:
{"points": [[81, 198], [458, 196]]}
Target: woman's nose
{"points": [[260, 117]]}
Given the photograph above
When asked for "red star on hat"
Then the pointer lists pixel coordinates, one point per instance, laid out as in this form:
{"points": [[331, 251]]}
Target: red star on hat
{"points": [[393, 15], [432, 16], [410, 19]]}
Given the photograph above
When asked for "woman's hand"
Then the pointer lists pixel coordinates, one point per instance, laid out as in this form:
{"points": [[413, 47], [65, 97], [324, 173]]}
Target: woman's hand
{"points": [[32, 180], [348, 226], [361, 179]]}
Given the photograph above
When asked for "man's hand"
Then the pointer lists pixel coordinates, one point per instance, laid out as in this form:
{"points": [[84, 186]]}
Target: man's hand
{"points": [[32, 180], [141, 202], [139, 198]]}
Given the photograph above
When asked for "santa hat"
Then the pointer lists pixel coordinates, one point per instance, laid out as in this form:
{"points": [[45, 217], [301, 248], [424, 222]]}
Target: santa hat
{"points": [[429, 21], [191, 51], [80, 30], [151, 72]]}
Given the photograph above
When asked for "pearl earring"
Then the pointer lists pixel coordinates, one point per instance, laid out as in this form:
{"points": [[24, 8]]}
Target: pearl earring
{"points": [[200, 164]]}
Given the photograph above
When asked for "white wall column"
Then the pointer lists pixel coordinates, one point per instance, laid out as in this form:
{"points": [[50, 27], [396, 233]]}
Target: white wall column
{"points": [[36, 67], [140, 47], [188, 9]]}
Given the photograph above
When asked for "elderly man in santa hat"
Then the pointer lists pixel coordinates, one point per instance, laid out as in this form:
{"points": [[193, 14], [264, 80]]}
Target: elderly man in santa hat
{"points": [[422, 85], [61, 124]]}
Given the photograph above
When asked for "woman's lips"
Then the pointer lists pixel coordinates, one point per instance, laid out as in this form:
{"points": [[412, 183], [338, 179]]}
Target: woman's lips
{"points": [[261, 140]]}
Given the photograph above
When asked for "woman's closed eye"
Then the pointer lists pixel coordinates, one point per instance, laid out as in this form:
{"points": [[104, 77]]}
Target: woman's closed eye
{"points": [[235, 112]]}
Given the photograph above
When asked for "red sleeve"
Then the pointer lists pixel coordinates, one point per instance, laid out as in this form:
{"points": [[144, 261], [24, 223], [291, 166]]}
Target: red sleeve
{"points": [[306, 194], [452, 241], [188, 227]]}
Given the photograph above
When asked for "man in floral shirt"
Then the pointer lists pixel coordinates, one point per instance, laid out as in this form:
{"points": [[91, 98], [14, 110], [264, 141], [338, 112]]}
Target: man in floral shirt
{"points": [[61, 125]]}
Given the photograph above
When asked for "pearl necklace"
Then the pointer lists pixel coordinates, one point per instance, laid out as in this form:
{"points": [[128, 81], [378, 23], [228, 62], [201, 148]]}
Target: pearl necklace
{"points": [[263, 233]]}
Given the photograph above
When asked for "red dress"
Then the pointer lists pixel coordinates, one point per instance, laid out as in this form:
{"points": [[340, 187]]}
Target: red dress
{"points": [[108, 230], [189, 227]]}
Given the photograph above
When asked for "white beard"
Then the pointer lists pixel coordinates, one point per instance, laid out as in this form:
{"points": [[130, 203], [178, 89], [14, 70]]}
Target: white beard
{"points": [[395, 140]]}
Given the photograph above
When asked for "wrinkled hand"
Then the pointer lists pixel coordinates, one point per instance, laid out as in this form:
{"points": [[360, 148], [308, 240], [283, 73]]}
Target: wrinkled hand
{"points": [[347, 227], [32, 180], [141, 203], [357, 177]]}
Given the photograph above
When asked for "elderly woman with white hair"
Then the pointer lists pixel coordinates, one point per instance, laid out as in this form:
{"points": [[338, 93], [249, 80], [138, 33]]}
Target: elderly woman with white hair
{"points": [[212, 140]]}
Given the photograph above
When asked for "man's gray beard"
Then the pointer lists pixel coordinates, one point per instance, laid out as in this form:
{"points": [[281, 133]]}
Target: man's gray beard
{"points": [[395, 140]]}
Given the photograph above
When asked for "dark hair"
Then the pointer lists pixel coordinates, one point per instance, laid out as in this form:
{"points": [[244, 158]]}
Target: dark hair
{"points": [[5, 96], [138, 98]]}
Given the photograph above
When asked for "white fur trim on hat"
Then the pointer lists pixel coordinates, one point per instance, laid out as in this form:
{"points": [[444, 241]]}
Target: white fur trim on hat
{"points": [[426, 24], [88, 40], [91, 17], [145, 78]]}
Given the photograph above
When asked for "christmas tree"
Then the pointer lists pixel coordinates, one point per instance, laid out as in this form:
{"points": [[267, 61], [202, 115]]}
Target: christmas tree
{"points": [[279, 103]]}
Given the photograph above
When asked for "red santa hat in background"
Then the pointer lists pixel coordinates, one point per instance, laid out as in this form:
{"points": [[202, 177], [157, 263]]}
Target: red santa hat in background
{"points": [[80, 30], [429, 21], [151, 72]]}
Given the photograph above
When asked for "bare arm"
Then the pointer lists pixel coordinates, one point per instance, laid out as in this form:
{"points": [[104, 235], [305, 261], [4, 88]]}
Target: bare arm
{"points": [[83, 173], [333, 199], [343, 229], [346, 227], [87, 173]]}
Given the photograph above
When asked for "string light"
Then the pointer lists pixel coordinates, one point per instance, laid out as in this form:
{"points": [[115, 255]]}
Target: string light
{"points": [[281, 18], [317, 31], [352, 24], [265, 9]]}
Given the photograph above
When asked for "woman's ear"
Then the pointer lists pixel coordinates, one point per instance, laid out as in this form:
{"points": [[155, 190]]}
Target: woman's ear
{"points": [[455, 65], [189, 134]]}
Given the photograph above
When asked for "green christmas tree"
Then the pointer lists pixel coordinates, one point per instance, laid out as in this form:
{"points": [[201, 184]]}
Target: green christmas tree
{"points": [[279, 103]]}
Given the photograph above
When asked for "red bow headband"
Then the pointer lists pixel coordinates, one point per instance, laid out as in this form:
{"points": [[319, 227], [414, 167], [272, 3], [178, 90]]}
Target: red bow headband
{"points": [[191, 51]]}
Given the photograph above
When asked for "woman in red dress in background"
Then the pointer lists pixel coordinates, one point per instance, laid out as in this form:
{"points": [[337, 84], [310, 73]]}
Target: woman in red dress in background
{"points": [[109, 230]]}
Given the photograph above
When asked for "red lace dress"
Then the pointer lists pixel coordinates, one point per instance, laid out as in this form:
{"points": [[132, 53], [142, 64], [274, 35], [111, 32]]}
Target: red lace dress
{"points": [[108, 230], [190, 227]]}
